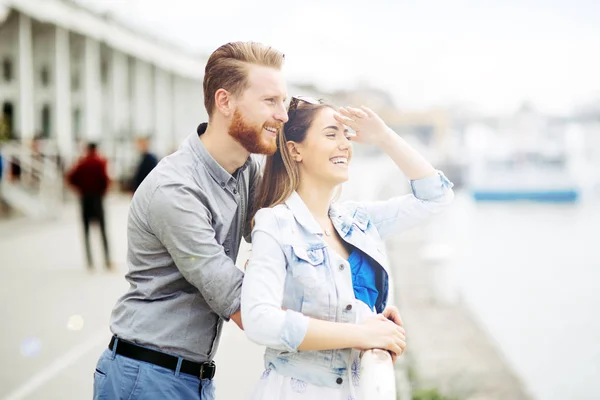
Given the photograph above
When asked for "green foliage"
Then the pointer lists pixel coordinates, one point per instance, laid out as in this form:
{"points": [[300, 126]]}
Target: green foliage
{"points": [[430, 394]]}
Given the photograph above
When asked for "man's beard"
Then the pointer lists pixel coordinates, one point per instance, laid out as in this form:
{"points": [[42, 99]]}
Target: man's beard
{"points": [[251, 137]]}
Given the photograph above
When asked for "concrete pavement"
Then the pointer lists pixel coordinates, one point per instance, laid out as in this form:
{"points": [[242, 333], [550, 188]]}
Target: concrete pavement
{"points": [[55, 313]]}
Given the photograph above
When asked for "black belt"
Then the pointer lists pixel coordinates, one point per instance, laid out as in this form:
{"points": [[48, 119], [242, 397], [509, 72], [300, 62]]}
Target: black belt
{"points": [[127, 349]]}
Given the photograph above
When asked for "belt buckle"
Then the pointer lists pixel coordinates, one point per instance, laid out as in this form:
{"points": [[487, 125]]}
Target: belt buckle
{"points": [[210, 368]]}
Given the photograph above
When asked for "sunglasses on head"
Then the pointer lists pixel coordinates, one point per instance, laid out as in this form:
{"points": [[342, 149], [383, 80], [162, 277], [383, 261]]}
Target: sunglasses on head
{"points": [[296, 100]]}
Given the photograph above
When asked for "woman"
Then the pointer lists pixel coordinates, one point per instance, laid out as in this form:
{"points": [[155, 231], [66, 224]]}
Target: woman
{"points": [[316, 285]]}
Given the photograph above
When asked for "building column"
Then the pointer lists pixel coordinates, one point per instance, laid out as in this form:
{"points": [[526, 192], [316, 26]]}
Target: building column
{"points": [[92, 90], [26, 106], [143, 123], [120, 110], [62, 93], [119, 101], [162, 142], [173, 107]]}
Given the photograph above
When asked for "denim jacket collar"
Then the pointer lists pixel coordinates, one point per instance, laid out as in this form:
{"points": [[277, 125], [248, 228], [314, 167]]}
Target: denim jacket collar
{"points": [[302, 214], [342, 221]]}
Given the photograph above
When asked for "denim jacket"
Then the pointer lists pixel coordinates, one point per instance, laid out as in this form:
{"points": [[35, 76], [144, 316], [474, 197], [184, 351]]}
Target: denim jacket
{"points": [[293, 275]]}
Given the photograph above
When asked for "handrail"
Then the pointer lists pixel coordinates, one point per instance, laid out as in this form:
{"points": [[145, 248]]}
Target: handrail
{"points": [[39, 181], [377, 376]]}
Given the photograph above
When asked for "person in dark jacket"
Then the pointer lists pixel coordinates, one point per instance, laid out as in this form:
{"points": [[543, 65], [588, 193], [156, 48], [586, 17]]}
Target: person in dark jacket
{"points": [[146, 164], [90, 179]]}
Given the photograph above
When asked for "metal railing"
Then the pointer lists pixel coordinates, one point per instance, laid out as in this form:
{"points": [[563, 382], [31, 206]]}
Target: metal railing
{"points": [[32, 180]]}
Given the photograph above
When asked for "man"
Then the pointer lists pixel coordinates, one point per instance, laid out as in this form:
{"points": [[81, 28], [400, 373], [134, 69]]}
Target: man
{"points": [[146, 164], [90, 179], [185, 225]]}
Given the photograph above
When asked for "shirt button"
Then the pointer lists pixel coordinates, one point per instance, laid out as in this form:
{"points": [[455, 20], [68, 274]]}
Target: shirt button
{"points": [[349, 307], [342, 267], [226, 251], [339, 381]]}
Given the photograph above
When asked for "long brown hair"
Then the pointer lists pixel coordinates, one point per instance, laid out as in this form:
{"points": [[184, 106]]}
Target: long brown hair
{"points": [[281, 176]]}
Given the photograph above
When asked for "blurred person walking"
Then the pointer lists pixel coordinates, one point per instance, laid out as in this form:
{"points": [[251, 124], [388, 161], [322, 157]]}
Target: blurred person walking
{"points": [[90, 179], [146, 163]]}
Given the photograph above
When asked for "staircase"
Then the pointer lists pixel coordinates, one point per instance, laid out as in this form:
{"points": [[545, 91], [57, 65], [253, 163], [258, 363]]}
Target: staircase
{"points": [[32, 183]]}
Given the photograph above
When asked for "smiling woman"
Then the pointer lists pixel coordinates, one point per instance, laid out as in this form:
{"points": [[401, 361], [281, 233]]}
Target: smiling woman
{"points": [[315, 291]]}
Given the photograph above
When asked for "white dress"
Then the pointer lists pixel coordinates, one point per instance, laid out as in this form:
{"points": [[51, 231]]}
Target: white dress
{"points": [[274, 386]]}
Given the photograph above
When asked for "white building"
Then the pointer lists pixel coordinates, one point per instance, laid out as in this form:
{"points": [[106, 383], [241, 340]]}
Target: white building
{"points": [[68, 74]]}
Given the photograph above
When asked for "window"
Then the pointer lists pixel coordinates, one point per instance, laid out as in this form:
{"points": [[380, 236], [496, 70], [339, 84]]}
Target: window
{"points": [[104, 72], [45, 76], [6, 122], [75, 82], [77, 123], [46, 121], [7, 69]]}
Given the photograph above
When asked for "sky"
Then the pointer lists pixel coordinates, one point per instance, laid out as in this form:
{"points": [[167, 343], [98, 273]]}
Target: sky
{"points": [[484, 55]]}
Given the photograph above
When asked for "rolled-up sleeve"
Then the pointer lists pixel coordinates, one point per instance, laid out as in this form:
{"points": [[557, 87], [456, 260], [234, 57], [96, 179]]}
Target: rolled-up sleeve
{"points": [[430, 196], [183, 225], [264, 320], [431, 188]]}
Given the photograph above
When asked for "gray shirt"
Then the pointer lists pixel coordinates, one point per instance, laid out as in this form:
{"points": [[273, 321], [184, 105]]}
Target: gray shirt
{"points": [[185, 225]]}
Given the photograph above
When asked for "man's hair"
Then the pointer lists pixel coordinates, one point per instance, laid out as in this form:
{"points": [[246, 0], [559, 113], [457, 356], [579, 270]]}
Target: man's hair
{"points": [[227, 68], [92, 147]]}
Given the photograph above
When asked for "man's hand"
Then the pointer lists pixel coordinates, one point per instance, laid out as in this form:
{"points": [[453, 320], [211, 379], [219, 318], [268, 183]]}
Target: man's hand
{"points": [[237, 318]]}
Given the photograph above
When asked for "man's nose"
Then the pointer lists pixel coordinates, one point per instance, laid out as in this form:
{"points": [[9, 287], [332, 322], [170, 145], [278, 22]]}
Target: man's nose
{"points": [[281, 113]]}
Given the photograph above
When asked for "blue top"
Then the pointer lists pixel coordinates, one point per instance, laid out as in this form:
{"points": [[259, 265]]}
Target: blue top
{"points": [[364, 278]]}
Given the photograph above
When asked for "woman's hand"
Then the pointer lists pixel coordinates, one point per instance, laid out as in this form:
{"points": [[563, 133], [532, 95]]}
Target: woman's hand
{"points": [[369, 127], [379, 332], [393, 315]]}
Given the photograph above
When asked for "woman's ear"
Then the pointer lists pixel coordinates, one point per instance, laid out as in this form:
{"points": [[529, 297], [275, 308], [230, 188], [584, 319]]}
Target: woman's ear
{"points": [[293, 150]]}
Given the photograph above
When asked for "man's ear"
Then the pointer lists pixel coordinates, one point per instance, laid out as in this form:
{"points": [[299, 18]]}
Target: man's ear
{"points": [[224, 103], [293, 150]]}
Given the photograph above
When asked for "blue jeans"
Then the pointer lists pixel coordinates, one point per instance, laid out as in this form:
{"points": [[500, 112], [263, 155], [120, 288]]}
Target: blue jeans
{"points": [[121, 378]]}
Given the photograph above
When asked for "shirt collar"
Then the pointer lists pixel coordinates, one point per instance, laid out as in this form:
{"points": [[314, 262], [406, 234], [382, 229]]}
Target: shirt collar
{"points": [[218, 173]]}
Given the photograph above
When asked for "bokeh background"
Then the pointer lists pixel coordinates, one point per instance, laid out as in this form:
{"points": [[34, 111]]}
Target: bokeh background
{"points": [[503, 96]]}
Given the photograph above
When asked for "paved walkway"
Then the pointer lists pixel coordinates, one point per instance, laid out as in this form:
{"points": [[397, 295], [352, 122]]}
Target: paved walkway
{"points": [[55, 313]]}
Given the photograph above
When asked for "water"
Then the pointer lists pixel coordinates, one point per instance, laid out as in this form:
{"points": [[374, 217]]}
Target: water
{"points": [[531, 274]]}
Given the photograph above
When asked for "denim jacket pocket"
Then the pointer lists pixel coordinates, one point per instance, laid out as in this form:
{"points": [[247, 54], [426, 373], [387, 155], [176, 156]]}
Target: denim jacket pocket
{"points": [[313, 256], [310, 271]]}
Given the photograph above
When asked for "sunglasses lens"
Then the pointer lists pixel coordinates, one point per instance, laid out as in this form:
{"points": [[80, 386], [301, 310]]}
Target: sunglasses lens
{"points": [[309, 100], [294, 104]]}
